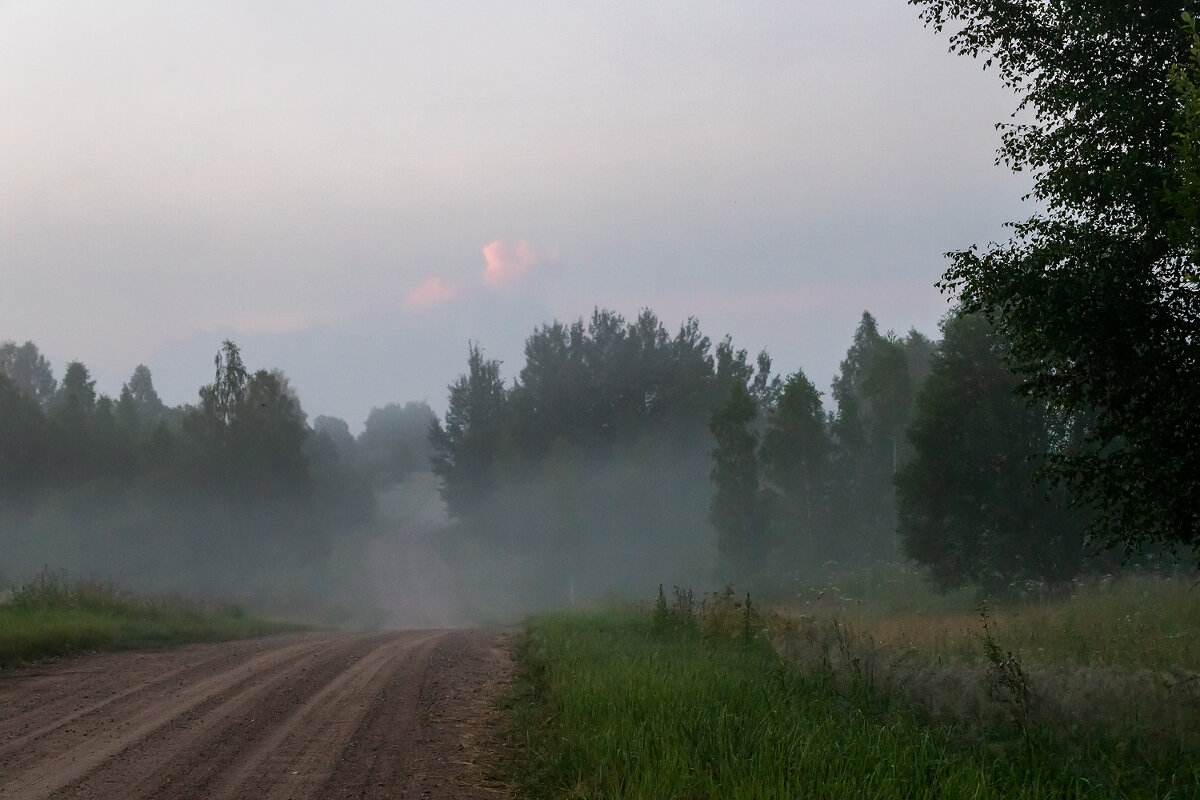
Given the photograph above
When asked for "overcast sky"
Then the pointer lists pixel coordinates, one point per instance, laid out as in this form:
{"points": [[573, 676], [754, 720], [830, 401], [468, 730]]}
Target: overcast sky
{"points": [[354, 191]]}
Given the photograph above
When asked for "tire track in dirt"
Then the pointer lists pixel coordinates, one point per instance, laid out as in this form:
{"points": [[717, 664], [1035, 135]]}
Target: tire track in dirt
{"points": [[47, 692], [67, 751], [298, 717], [299, 756], [64, 707], [365, 770], [196, 746]]}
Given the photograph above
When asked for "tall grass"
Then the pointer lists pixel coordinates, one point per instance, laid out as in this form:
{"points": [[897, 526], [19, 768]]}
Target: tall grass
{"points": [[1104, 681], [710, 698], [53, 616], [1133, 622]]}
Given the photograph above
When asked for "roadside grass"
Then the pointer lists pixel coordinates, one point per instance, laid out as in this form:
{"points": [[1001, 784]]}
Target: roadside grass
{"points": [[716, 698], [52, 616]]}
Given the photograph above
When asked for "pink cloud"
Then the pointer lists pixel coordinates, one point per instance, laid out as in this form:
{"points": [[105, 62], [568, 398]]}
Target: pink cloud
{"points": [[433, 291], [506, 263]]}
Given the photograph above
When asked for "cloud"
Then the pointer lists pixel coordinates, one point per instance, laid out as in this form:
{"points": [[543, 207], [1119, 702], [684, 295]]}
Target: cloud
{"points": [[432, 292], [506, 264]]}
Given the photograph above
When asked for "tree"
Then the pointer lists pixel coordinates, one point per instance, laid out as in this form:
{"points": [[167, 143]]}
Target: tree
{"points": [[610, 382], [1184, 191], [467, 451], [736, 511], [1097, 294], [795, 457], [138, 408], [29, 371], [23, 443], [968, 506], [848, 423], [336, 443], [266, 435], [874, 392], [150, 408], [221, 400], [76, 398], [555, 397], [395, 441], [126, 412]]}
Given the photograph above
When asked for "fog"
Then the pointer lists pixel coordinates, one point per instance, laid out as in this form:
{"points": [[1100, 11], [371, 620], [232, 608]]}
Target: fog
{"points": [[618, 458], [585, 531], [410, 566], [246, 499]]}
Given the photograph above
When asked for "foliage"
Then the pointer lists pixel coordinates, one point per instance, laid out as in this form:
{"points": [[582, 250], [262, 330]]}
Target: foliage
{"points": [[596, 456], [22, 432], [736, 511], [29, 371], [797, 462], [615, 433], [600, 384], [678, 616], [139, 406], [468, 449], [224, 397], [968, 504], [826, 481], [224, 497], [76, 397], [395, 442], [1183, 192], [267, 434], [874, 393], [1097, 292], [336, 441]]}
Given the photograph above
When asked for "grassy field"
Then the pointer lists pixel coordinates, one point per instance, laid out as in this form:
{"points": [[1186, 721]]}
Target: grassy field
{"points": [[1095, 696], [51, 616]]}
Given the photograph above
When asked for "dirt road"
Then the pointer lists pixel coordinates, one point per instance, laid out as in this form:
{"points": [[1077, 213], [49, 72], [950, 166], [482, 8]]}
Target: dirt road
{"points": [[392, 715]]}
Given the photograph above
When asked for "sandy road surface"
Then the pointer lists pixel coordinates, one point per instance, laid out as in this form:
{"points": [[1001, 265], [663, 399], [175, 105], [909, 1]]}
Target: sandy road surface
{"points": [[392, 715]]}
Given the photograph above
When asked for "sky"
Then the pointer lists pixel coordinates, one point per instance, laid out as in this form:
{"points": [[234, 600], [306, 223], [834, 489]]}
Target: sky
{"points": [[354, 192]]}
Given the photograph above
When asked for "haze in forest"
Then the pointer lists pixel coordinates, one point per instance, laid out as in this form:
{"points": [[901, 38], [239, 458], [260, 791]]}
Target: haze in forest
{"points": [[622, 456]]}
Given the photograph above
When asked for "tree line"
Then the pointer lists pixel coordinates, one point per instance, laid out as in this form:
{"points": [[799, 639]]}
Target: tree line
{"points": [[931, 455], [235, 494], [621, 454]]}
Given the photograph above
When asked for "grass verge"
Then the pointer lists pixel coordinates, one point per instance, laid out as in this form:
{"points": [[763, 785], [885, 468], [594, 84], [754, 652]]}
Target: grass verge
{"points": [[696, 700], [51, 616]]}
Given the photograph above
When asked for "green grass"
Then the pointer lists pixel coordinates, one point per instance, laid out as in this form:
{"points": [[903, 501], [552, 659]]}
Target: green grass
{"points": [[694, 700], [51, 616]]}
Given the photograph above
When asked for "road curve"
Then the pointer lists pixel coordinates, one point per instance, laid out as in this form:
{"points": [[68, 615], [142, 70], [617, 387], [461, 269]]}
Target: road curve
{"points": [[406, 714]]}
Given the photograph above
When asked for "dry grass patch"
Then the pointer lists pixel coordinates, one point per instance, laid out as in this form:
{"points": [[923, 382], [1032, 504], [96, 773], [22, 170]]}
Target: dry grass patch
{"points": [[1114, 668]]}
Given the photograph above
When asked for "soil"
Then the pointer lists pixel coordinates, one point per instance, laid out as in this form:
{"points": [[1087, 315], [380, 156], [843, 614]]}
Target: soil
{"points": [[403, 714]]}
